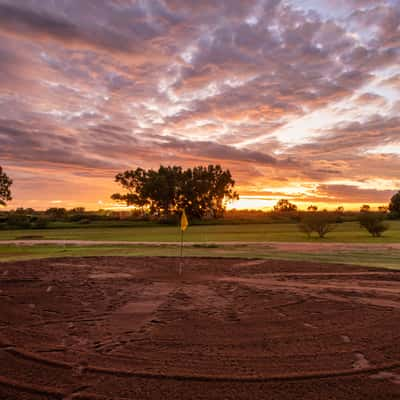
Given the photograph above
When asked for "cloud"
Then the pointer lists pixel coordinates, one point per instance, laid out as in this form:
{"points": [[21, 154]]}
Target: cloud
{"points": [[94, 87], [350, 193], [44, 26], [27, 144]]}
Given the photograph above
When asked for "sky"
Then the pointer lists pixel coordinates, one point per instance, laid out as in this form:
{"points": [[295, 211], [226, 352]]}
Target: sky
{"points": [[300, 99]]}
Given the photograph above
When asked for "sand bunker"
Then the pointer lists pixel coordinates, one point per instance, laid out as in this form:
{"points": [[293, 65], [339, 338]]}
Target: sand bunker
{"points": [[132, 328]]}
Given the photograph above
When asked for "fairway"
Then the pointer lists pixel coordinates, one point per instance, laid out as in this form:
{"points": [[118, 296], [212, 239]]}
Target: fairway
{"points": [[377, 256], [348, 232]]}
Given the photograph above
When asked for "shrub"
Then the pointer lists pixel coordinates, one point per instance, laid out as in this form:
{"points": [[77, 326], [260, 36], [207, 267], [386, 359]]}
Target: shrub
{"points": [[373, 223], [320, 222], [18, 221], [39, 223]]}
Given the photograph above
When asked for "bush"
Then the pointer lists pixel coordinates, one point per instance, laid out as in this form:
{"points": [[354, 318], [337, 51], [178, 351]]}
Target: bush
{"points": [[373, 223], [39, 223], [320, 222], [18, 221], [305, 227]]}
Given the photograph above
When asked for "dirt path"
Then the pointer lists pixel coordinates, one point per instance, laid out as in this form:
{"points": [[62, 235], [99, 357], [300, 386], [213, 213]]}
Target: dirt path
{"points": [[282, 246], [132, 328]]}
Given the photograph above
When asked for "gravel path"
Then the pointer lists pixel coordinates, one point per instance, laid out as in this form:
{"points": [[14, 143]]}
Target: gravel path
{"points": [[283, 246]]}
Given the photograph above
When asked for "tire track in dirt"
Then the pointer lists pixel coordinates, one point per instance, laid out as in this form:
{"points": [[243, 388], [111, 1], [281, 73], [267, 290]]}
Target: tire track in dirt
{"points": [[221, 322]]}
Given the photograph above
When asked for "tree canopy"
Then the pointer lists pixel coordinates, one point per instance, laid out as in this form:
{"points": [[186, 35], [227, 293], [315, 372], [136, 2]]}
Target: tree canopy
{"points": [[284, 205], [394, 205], [5, 192], [200, 190]]}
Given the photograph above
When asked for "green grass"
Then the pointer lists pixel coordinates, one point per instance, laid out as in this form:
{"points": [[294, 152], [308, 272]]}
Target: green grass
{"points": [[346, 232], [381, 259]]}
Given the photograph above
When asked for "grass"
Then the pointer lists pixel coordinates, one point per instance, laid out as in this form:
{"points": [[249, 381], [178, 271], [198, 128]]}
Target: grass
{"points": [[381, 259], [348, 232]]}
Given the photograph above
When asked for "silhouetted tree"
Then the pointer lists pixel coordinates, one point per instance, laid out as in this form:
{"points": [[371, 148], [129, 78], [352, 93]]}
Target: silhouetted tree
{"points": [[320, 222], [284, 205], [200, 190], [5, 192], [394, 205], [56, 213], [312, 208], [373, 223], [365, 208], [340, 209]]}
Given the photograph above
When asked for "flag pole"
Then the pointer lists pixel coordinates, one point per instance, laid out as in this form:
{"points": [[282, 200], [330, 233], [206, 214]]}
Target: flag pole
{"points": [[183, 225], [181, 258]]}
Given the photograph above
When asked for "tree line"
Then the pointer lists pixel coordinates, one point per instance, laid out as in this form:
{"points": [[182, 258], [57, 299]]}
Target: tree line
{"points": [[160, 195]]}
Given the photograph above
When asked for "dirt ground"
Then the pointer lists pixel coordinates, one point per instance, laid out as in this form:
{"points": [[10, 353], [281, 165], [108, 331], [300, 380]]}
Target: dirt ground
{"points": [[300, 247], [133, 328]]}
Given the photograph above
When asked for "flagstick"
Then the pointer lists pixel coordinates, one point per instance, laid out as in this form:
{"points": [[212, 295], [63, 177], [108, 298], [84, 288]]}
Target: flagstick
{"points": [[180, 262]]}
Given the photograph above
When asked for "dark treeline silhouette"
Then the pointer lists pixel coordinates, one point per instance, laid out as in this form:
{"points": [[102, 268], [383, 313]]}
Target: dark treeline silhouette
{"points": [[5, 183], [160, 195], [201, 191]]}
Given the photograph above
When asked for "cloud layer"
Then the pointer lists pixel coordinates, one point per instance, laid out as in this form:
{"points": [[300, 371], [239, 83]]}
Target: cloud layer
{"points": [[296, 96]]}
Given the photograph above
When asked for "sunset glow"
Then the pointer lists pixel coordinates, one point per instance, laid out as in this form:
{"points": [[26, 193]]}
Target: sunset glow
{"points": [[299, 99]]}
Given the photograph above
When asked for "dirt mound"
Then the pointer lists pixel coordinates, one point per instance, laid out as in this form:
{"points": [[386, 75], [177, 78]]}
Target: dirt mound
{"points": [[133, 328]]}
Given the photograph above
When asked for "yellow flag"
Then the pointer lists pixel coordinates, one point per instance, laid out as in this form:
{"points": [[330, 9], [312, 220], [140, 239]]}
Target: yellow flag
{"points": [[184, 221]]}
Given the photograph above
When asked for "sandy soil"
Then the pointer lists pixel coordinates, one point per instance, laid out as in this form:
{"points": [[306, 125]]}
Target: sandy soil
{"points": [[132, 328]]}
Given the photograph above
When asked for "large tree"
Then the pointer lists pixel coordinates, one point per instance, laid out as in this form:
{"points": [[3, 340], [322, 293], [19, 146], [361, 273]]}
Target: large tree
{"points": [[394, 205], [5, 192], [200, 190], [284, 205]]}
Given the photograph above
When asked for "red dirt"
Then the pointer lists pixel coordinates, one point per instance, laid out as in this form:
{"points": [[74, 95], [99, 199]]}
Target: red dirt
{"points": [[298, 247], [132, 328]]}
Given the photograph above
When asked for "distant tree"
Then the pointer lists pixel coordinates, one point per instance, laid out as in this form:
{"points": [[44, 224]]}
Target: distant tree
{"points": [[306, 227], [18, 221], [394, 205], [56, 213], [320, 222], [25, 211], [200, 190], [5, 192], [77, 214], [373, 223], [77, 210], [312, 208], [284, 205], [340, 209], [365, 208], [383, 209]]}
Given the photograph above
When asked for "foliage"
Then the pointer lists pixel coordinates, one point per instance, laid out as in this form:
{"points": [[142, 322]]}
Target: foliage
{"points": [[201, 191], [19, 221], [312, 208], [319, 222], [365, 208], [373, 223], [394, 206], [23, 220], [56, 213], [284, 205], [5, 192]]}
